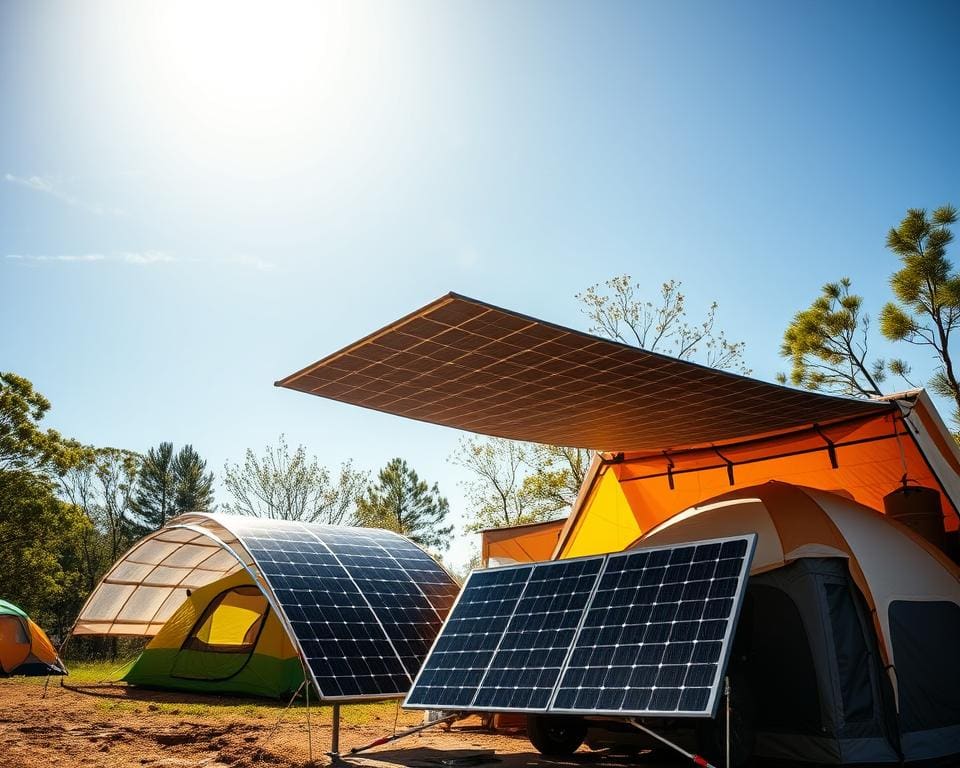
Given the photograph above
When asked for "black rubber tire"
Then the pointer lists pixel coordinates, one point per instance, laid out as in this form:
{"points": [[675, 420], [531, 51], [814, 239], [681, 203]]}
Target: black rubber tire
{"points": [[556, 734]]}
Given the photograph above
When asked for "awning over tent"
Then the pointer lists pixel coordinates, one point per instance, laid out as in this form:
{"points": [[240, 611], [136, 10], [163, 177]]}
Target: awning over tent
{"points": [[469, 365]]}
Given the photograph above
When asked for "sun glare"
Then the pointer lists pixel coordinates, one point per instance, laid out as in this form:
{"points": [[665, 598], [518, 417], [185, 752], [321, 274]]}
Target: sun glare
{"points": [[261, 69]]}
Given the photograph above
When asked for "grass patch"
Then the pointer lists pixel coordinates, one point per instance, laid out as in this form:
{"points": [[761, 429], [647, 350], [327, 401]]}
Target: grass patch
{"points": [[216, 707]]}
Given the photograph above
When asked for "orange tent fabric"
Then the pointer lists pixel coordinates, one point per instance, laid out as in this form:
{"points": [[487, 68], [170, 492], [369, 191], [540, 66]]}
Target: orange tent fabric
{"points": [[25, 649], [520, 543], [627, 494]]}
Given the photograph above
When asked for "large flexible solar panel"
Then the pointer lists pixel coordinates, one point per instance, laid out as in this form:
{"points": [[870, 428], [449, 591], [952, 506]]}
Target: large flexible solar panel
{"points": [[644, 632], [363, 606]]}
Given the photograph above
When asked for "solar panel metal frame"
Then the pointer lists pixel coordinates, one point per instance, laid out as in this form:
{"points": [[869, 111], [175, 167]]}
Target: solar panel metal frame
{"points": [[267, 588], [713, 702]]}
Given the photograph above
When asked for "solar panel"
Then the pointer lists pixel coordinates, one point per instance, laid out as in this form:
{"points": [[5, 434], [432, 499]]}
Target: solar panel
{"points": [[644, 632], [363, 606]]}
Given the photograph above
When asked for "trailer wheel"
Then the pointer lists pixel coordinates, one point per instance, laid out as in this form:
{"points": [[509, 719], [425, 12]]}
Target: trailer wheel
{"points": [[556, 734]]}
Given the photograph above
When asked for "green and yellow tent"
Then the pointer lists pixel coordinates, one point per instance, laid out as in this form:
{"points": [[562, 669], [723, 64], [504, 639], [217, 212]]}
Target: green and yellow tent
{"points": [[25, 649], [224, 638]]}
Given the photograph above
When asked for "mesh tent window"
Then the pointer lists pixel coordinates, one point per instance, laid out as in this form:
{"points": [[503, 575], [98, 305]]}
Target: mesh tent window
{"points": [[230, 623]]}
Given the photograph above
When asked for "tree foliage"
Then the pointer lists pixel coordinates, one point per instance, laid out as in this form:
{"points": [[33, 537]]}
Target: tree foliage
{"points": [[827, 344], [193, 484], [67, 511], [38, 531], [154, 501], [400, 501], [926, 289], [514, 483], [618, 311], [286, 485], [24, 446]]}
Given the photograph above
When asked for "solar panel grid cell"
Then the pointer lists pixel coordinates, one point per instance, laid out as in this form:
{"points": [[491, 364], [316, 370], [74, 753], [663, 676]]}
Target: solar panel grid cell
{"points": [[652, 639], [634, 633], [464, 650], [525, 668], [355, 610]]}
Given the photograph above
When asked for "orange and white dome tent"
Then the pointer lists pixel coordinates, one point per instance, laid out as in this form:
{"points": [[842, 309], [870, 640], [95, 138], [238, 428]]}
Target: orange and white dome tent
{"points": [[25, 649], [880, 610]]}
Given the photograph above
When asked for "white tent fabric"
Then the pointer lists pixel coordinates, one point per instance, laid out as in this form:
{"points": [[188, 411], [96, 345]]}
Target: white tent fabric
{"points": [[145, 586], [895, 562]]}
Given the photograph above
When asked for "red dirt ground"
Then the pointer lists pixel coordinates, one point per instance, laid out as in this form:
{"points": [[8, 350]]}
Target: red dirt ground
{"points": [[97, 727]]}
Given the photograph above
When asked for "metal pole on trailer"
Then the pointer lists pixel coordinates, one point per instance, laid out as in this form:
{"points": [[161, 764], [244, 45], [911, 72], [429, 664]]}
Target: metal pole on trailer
{"points": [[403, 734], [697, 759], [726, 693]]}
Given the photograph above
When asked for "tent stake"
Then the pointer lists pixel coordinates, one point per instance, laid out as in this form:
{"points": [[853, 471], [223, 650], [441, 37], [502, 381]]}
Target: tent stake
{"points": [[697, 759], [403, 734]]}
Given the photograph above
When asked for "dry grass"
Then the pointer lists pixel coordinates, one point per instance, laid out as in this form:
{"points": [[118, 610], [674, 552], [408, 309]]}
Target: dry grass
{"points": [[88, 674]]}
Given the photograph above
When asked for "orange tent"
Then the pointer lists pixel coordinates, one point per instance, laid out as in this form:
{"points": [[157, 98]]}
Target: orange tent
{"points": [[25, 649], [520, 543], [626, 494]]}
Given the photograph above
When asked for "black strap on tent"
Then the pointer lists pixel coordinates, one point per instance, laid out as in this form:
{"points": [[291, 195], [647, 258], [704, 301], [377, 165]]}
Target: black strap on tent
{"points": [[670, 466], [831, 447], [728, 463]]}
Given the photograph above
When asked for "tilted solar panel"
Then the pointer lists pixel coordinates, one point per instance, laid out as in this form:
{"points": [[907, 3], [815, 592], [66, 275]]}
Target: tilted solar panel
{"points": [[644, 632], [363, 605]]}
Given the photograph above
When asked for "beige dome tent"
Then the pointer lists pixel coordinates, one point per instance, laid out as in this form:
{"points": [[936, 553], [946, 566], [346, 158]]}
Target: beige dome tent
{"points": [[847, 640]]}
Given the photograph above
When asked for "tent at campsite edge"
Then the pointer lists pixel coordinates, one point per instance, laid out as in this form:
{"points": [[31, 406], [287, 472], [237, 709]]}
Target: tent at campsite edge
{"points": [[25, 648]]}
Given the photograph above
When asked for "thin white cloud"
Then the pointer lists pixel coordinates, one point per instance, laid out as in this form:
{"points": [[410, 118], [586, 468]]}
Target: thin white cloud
{"points": [[147, 257], [259, 264], [49, 186], [142, 258], [58, 257]]}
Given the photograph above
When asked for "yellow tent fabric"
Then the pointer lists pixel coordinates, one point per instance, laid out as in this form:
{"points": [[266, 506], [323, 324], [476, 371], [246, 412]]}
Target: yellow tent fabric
{"points": [[273, 638], [234, 620], [223, 638]]}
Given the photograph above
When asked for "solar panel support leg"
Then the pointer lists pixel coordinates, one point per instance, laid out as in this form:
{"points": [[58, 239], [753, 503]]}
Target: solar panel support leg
{"points": [[334, 753], [309, 730], [696, 759], [726, 738]]}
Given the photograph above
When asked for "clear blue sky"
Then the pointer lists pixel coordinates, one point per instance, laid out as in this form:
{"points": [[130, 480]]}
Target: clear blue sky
{"points": [[199, 198]]}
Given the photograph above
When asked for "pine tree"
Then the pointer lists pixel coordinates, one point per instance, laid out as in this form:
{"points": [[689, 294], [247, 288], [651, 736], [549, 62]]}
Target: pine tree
{"points": [[193, 484], [827, 344], [154, 501], [400, 501], [926, 289]]}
